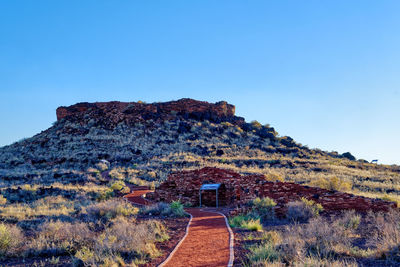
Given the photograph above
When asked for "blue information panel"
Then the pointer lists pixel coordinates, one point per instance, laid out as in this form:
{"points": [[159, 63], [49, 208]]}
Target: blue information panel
{"points": [[210, 186]]}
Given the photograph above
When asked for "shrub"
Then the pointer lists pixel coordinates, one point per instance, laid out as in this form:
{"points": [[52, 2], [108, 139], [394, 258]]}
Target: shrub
{"points": [[274, 177], [3, 200], [174, 209], [293, 247], [349, 220], [333, 183], [303, 210], [124, 238], [256, 125], [28, 187], [177, 209], [104, 195], [102, 166], [159, 208], [263, 208], [93, 170], [48, 206], [318, 237], [57, 237], [120, 186], [315, 261], [110, 209], [252, 225], [272, 237], [246, 222], [262, 253], [237, 221], [117, 173], [384, 233], [11, 238]]}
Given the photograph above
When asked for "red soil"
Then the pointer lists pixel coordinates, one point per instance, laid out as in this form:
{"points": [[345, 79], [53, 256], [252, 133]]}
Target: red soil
{"points": [[207, 243], [136, 196]]}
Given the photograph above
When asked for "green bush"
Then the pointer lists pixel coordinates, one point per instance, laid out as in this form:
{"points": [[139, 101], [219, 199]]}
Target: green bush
{"points": [[263, 253], [177, 209], [237, 221], [157, 209], [263, 208], [252, 224], [174, 209], [120, 186], [105, 195], [246, 222]]}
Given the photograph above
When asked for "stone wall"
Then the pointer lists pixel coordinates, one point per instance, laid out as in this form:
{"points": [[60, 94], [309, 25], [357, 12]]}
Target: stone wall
{"points": [[185, 185], [112, 113]]}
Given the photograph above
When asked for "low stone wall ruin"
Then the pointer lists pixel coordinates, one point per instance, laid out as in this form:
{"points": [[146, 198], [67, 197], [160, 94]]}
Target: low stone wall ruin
{"points": [[185, 185]]}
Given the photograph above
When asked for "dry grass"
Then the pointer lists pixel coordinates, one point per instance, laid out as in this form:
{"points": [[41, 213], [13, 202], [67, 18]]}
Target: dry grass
{"points": [[303, 210], [384, 233], [47, 179], [134, 241], [48, 206], [110, 209], [330, 242], [11, 239], [58, 238]]}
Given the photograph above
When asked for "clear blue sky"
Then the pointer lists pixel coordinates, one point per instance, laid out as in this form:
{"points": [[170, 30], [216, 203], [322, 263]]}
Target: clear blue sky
{"points": [[326, 73]]}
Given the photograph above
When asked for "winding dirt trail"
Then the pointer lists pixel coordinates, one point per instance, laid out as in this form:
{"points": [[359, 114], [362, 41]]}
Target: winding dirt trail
{"points": [[208, 240], [136, 195]]}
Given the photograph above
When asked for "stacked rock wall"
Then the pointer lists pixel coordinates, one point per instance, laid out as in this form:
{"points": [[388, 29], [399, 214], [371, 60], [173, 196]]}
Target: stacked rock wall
{"points": [[112, 113], [185, 185]]}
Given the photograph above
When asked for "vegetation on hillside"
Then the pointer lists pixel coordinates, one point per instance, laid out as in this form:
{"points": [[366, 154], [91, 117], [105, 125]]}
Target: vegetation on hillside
{"points": [[83, 224], [145, 154], [71, 175], [348, 239]]}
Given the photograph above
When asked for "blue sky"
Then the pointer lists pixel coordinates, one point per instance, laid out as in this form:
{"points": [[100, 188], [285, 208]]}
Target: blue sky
{"points": [[323, 72]]}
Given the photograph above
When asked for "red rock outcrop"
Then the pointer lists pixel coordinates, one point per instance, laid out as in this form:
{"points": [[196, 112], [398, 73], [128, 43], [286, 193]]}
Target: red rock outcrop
{"points": [[115, 112], [238, 190]]}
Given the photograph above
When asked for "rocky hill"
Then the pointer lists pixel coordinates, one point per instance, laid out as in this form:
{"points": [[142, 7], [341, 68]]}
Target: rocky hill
{"points": [[148, 141], [110, 114]]}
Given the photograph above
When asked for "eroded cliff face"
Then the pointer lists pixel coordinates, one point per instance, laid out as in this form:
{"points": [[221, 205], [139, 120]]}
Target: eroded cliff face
{"points": [[112, 113]]}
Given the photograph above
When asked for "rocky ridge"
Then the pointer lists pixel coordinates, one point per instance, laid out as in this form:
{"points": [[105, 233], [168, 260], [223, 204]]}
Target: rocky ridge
{"points": [[113, 113]]}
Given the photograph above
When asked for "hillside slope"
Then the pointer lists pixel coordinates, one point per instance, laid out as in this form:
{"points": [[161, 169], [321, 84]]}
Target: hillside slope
{"points": [[147, 141]]}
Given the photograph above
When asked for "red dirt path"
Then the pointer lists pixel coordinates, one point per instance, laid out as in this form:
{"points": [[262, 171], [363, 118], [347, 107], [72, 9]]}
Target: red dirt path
{"points": [[207, 243], [136, 196]]}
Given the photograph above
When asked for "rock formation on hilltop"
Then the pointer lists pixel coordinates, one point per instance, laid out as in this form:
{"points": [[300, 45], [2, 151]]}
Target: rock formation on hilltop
{"points": [[113, 113]]}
